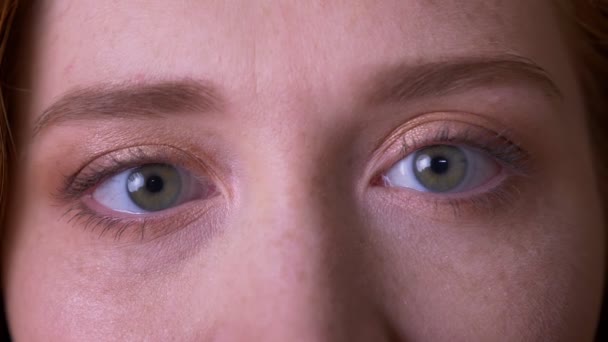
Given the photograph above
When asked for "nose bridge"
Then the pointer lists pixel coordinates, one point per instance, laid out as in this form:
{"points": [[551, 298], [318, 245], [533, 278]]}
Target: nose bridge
{"points": [[296, 224], [293, 215], [293, 185]]}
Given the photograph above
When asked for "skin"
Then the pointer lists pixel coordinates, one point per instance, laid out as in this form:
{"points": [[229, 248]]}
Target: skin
{"points": [[300, 243]]}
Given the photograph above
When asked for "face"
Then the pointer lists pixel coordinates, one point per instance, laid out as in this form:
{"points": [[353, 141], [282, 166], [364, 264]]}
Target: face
{"points": [[311, 171]]}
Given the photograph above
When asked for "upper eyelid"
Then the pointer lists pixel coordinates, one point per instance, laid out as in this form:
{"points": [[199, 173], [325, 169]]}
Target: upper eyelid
{"points": [[467, 139], [151, 226], [406, 140], [107, 164]]}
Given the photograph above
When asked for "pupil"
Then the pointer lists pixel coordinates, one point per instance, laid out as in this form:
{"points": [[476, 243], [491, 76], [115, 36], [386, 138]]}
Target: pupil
{"points": [[154, 184], [440, 165]]}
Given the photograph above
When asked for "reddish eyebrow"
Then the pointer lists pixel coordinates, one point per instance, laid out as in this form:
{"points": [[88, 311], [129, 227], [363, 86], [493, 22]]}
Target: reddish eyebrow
{"points": [[406, 82], [131, 101], [401, 83]]}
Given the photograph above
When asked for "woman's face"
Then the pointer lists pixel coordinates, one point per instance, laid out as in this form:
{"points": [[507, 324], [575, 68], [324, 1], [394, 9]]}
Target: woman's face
{"points": [[303, 171]]}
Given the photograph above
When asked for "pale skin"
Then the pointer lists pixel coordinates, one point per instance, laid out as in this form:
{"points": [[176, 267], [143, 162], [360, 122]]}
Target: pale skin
{"points": [[300, 241]]}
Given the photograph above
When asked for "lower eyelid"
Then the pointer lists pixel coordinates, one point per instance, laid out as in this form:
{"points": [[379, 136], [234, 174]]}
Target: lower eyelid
{"points": [[497, 196], [83, 210], [101, 222], [400, 145], [194, 188], [500, 196], [500, 177]]}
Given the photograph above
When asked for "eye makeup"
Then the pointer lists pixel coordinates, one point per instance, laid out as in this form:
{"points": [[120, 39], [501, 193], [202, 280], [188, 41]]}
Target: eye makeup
{"points": [[459, 130], [78, 188], [513, 161]]}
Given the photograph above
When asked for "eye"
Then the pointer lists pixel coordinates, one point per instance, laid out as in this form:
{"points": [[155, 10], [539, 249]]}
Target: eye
{"points": [[150, 188], [442, 169]]}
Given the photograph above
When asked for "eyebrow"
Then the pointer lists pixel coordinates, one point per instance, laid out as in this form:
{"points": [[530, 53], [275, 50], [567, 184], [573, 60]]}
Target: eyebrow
{"points": [[404, 83], [131, 101], [399, 84]]}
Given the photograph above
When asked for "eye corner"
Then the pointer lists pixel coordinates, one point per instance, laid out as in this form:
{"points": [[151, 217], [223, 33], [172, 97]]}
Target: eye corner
{"points": [[499, 197], [95, 194]]}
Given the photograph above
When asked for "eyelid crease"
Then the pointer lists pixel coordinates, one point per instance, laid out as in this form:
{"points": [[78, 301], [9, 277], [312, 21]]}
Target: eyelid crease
{"points": [[499, 196], [494, 143], [75, 194], [498, 145], [101, 167]]}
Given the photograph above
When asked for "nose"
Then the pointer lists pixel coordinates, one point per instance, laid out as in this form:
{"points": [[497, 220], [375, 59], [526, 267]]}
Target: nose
{"points": [[298, 261]]}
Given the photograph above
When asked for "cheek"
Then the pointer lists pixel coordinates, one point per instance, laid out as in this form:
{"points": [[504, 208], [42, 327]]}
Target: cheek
{"points": [[71, 294], [524, 276], [72, 286]]}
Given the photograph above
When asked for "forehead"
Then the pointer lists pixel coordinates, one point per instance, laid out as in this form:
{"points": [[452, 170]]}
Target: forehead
{"points": [[281, 44]]}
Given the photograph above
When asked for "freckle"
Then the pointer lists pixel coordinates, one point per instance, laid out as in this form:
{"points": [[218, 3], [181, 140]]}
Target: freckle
{"points": [[502, 277], [68, 68], [139, 77]]}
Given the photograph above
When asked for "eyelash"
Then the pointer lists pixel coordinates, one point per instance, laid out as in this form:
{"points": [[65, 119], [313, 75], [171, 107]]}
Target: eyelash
{"points": [[93, 221], [77, 186], [496, 145], [514, 160]]}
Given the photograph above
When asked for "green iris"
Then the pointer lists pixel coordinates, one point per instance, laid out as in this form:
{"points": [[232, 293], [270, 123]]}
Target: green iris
{"points": [[440, 168], [154, 187]]}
